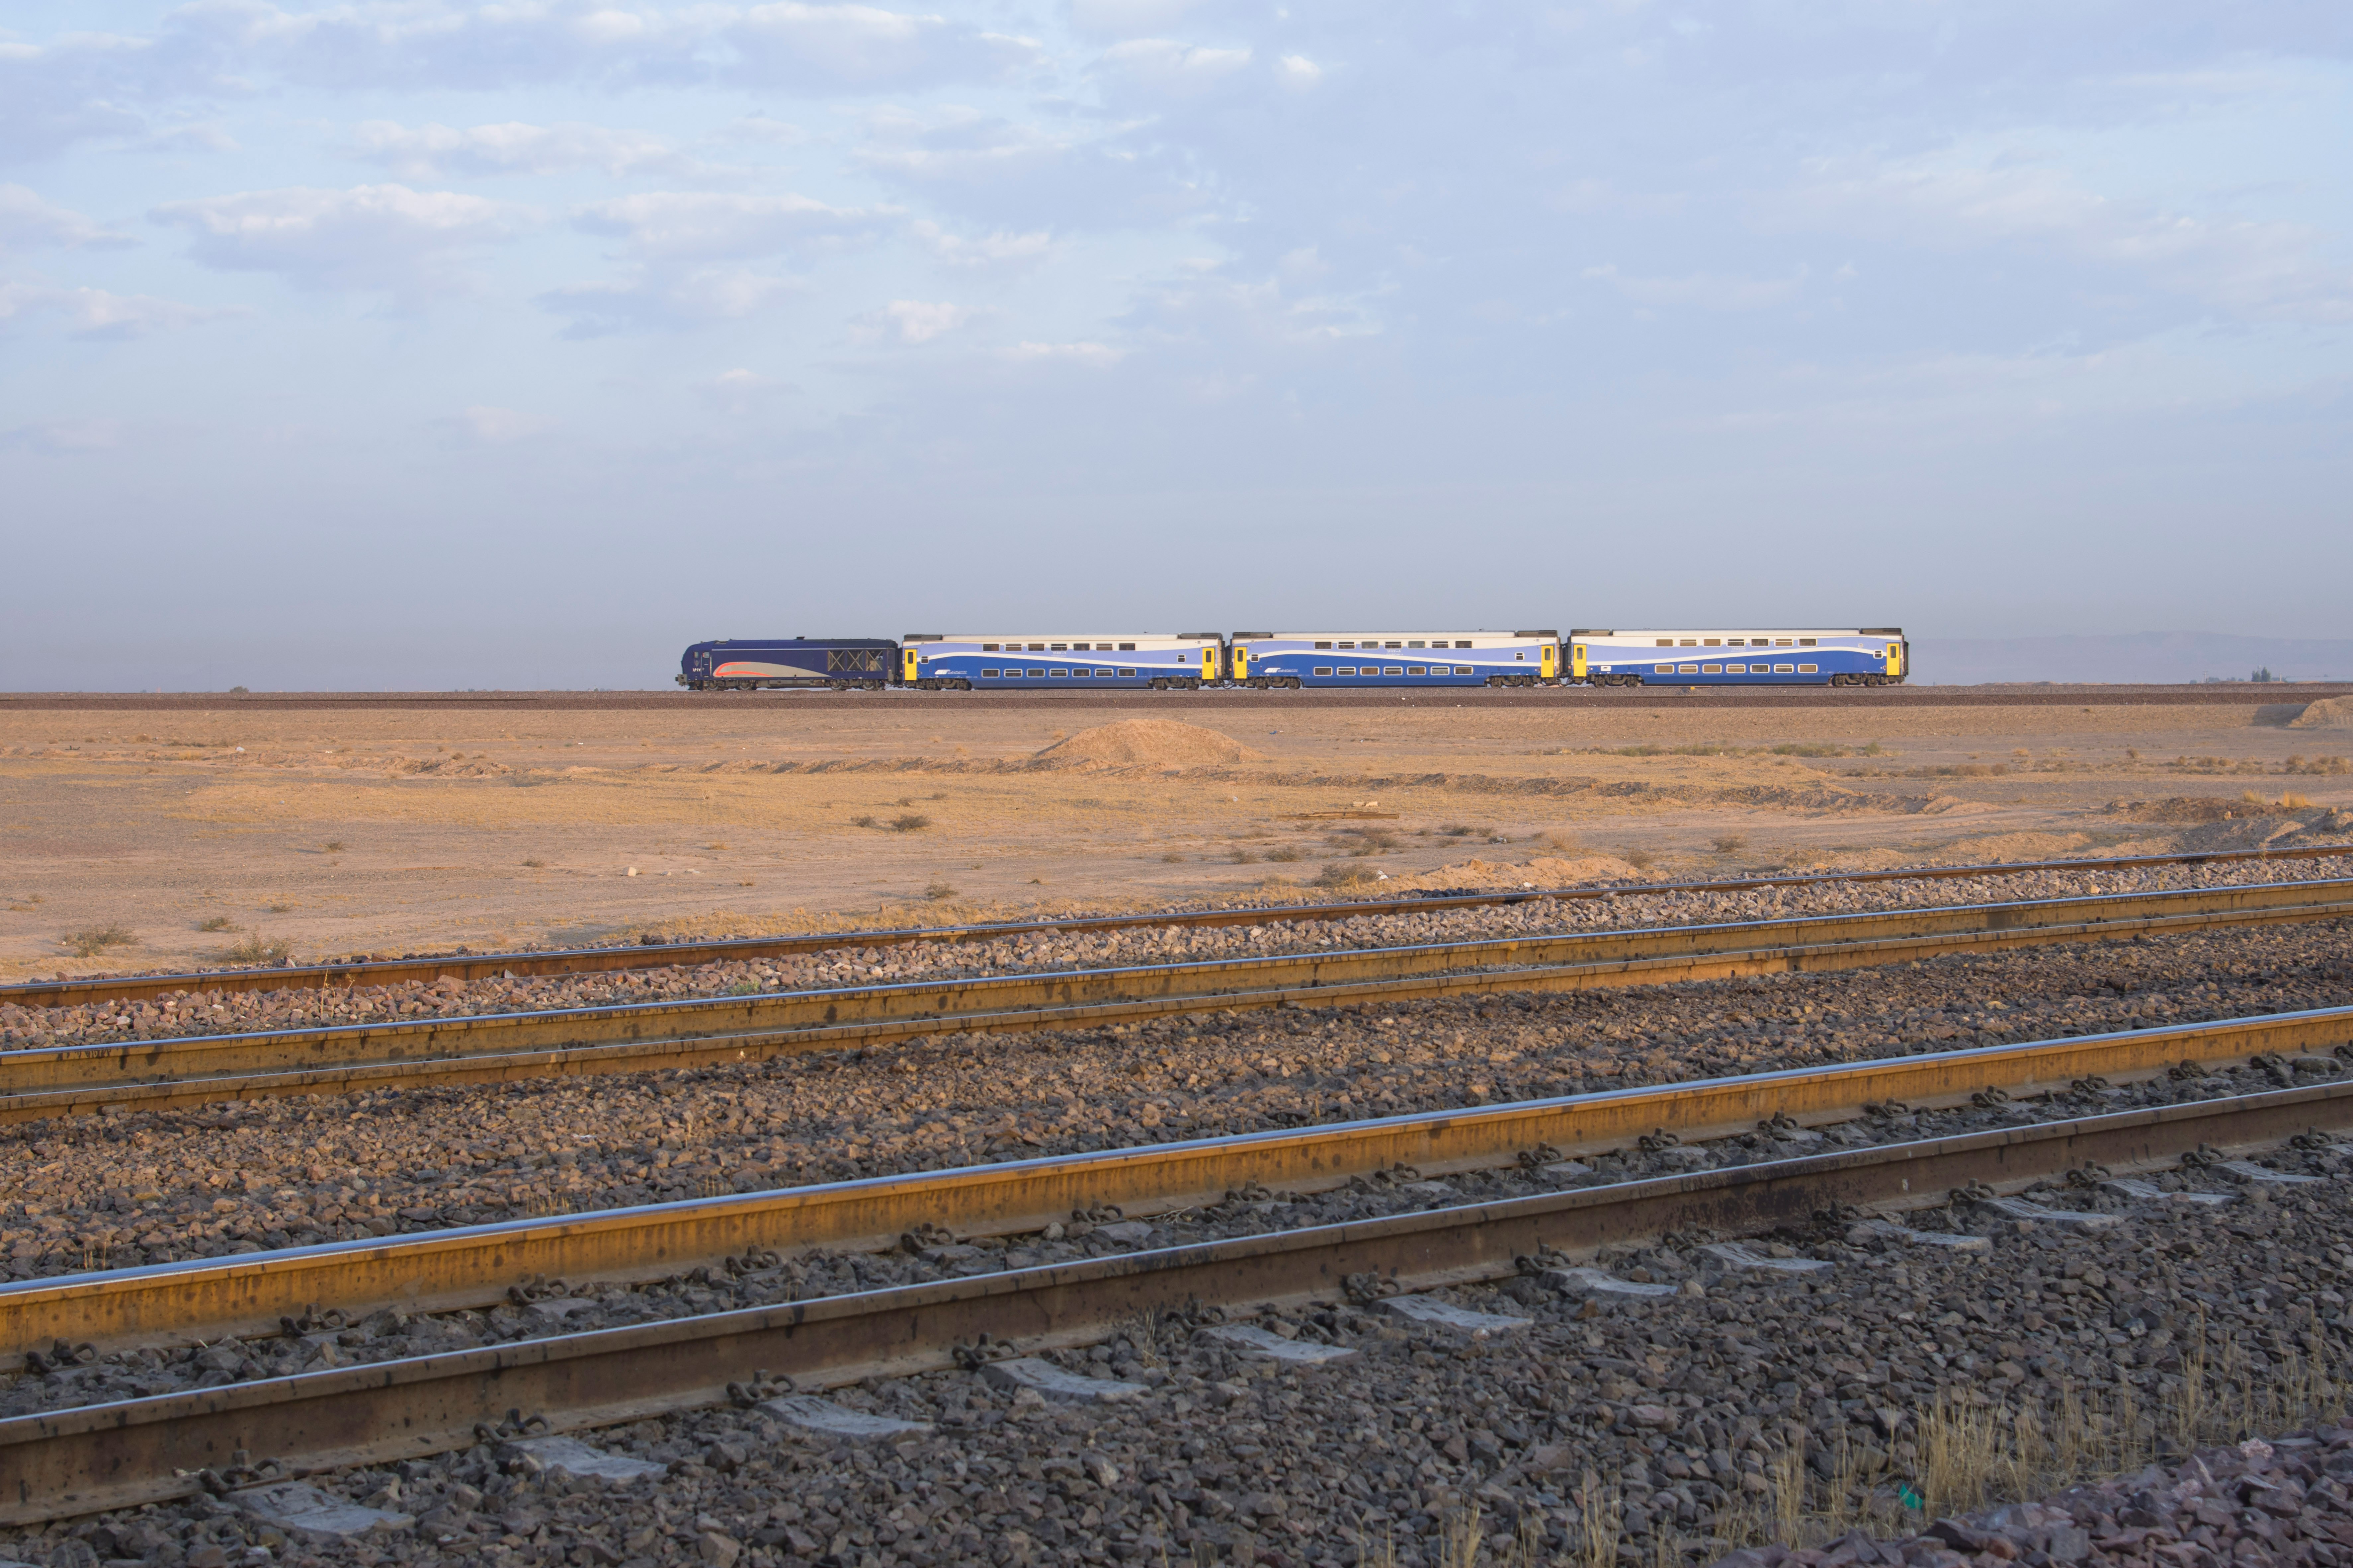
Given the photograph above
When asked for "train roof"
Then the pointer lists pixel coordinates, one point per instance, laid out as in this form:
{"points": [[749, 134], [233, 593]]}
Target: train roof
{"points": [[1057, 636], [789, 642], [1748, 631], [1292, 637]]}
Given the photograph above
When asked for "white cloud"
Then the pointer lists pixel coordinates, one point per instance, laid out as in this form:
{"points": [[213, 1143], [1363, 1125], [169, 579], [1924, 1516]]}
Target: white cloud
{"points": [[28, 220], [427, 152], [709, 224], [99, 313], [910, 321], [1126, 19], [485, 425], [1095, 356], [664, 298], [2257, 269], [1298, 71], [1706, 290], [1173, 69], [370, 236], [999, 249], [793, 45]]}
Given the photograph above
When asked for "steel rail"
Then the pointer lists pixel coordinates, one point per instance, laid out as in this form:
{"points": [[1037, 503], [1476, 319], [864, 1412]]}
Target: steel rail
{"points": [[79, 1078], [473, 1266], [606, 959], [117, 1455]]}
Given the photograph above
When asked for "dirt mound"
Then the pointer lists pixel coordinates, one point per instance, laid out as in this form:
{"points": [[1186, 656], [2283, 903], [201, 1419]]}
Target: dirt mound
{"points": [[2329, 713], [1153, 743]]}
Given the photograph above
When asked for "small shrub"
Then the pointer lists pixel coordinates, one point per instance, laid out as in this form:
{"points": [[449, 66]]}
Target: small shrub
{"points": [[1730, 843], [1458, 830], [940, 890], [256, 949], [214, 922], [743, 988], [333, 846], [1285, 854], [279, 909], [91, 941], [1174, 857], [1641, 859], [535, 864], [1338, 874], [909, 822], [861, 821], [238, 691], [1240, 857]]}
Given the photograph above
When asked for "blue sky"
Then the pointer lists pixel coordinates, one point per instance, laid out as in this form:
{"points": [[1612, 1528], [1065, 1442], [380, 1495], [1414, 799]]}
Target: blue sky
{"points": [[426, 343]]}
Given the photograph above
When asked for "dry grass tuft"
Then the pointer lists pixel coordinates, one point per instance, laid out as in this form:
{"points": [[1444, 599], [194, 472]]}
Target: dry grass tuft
{"points": [[256, 949], [910, 822], [91, 941], [214, 922]]}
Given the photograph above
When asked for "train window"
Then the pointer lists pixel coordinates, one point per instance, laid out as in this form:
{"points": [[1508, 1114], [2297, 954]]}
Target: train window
{"points": [[1464, 669], [1522, 656], [1127, 647], [1393, 669], [1733, 642], [1034, 673], [1666, 642], [1083, 647], [1079, 674], [1324, 645], [1416, 669], [1323, 670], [1804, 642], [1342, 645], [1059, 674], [1391, 643], [1662, 668], [1784, 669], [1463, 642], [1103, 675], [990, 647], [1691, 642], [1780, 642], [1127, 675], [988, 674], [1037, 648], [1347, 669], [1808, 669], [1710, 670], [1420, 644], [1061, 648], [1712, 642], [1686, 670], [1735, 669]]}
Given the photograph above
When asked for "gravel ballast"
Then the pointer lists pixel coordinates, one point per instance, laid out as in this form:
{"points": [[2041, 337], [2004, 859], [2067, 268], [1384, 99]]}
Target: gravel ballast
{"points": [[1667, 1427]]}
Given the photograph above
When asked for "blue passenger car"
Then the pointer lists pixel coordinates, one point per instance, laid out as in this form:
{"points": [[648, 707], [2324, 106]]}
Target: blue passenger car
{"points": [[1395, 659], [1872, 655], [740, 664], [1043, 661]]}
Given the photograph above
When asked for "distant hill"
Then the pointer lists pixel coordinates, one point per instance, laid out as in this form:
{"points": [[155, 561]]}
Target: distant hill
{"points": [[2147, 656]]}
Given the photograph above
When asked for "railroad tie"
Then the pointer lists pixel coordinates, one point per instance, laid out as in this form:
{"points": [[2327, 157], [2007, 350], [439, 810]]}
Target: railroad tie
{"points": [[2150, 1193], [1258, 1341], [1740, 1254], [2025, 1211], [1047, 1381], [571, 1456], [1888, 1230], [313, 1516], [824, 1418], [1432, 1312], [1581, 1281]]}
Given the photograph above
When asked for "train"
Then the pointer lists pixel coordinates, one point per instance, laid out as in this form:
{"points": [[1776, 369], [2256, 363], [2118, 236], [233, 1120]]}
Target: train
{"points": [[1165, 661]]}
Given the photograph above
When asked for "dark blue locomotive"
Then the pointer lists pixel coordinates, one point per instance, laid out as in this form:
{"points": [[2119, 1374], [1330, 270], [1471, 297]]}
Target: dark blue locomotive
{"points": [[841, 663]]}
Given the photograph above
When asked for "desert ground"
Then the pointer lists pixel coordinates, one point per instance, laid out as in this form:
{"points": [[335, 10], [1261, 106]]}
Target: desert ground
{"points": [[135, 840]]}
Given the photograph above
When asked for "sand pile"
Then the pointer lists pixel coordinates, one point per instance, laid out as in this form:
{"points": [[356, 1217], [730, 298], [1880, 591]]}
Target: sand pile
{"points": [[1154, 742], [2329, 713]]}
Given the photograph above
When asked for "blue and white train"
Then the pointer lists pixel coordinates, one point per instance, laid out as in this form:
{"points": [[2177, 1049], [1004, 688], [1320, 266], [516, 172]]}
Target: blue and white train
{"points": [[1039, 661]]}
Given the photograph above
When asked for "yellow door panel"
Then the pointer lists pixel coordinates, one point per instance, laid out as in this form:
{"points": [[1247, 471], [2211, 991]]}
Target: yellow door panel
{"points": [[1576, 661], [1241, 661], [1551, 662], [1895, 659], [910, 663], [1209, 662]]}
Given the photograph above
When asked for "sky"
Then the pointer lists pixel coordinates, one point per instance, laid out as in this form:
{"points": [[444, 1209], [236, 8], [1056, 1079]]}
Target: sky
{"points": [[413, 343]]}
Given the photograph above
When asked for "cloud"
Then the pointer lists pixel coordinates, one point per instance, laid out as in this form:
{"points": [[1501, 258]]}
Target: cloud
{"points": [[1172, 69], [709, 224], [428, 152], [2249, 268], [386, 237], [485, 425], [1126, 19], [442, 45], [1008, 174], [909, 322], [98, 313], [999, 250], [26, 220], [667, 299], [1298, 71], [1094, 356], [1705, 290]]}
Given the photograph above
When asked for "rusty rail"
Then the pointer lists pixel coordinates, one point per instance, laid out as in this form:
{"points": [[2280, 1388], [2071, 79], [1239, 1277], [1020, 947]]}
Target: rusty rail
{"points": [[118, 1455], [65, 992]]}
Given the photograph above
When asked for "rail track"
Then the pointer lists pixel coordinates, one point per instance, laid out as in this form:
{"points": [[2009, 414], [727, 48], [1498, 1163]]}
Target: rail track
{"points": [[669, 956], [473, 1266], [120, 1076], [85, 1460]]}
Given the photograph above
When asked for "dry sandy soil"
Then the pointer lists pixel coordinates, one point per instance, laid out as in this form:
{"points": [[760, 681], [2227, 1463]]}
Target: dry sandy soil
{"points": [[189, 836]]}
